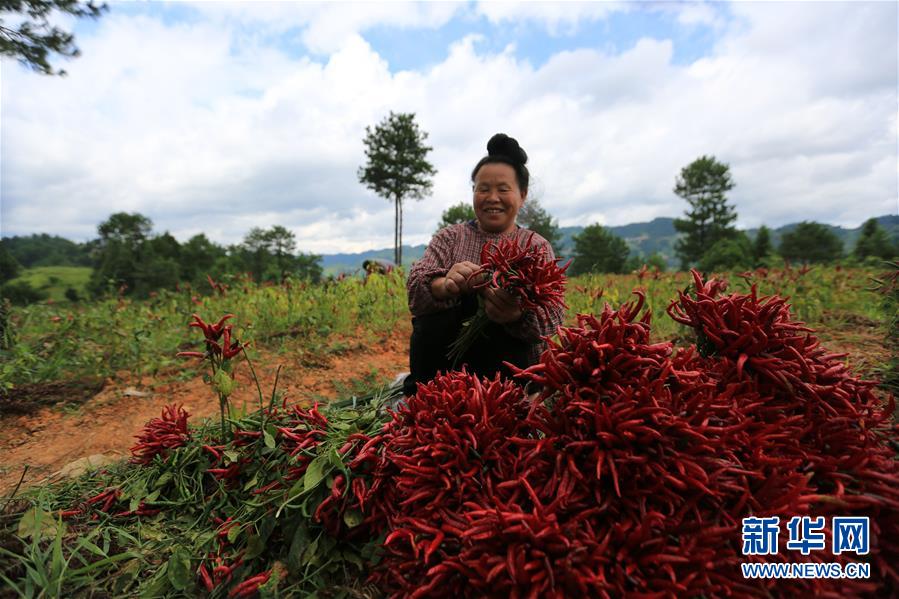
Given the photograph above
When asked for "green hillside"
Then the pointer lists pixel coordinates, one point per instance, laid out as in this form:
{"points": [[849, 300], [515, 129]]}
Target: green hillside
{"points": [[54, 280]]}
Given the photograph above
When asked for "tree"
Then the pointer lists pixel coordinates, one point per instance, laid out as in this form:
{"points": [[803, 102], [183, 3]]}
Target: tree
{"points": [[308, 266], [9, 266], [703, 183], [729, 253], [118, 251], [874, 241], [810, 242], [282, 243], [21, 293], [762, 248], [534, 217], [198, 258], [596, 249], [460, 213], [397, 167], [255, 254], [32, 42]]}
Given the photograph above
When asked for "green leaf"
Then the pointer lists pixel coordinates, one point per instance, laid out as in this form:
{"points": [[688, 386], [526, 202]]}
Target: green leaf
{"points": [[232, 456], [163, 479], [297, 546], [252, 482], [268, 439], [38, 524], [255, 547], [233, 533], [353, 518], [179, 569], [336, 461], [316, 471]]}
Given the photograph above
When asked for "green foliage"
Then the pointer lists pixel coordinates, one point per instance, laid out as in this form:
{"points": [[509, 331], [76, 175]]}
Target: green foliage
{"points": [[875, 242], [762, 248], [396, 166], [21, 293], [460, 213], [46, 250], [36, 38], [598, 250], [99, 338], [119, 253], [534, 217], [198, 258], [250, 526], [268, 254], [810, 242], [727, 254], [9, 266], [654, 262], [703, 184]]}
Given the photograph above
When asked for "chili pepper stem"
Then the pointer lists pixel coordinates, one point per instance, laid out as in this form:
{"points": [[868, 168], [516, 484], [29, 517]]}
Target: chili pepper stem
{"points": [[472, 330], [258, 388]]}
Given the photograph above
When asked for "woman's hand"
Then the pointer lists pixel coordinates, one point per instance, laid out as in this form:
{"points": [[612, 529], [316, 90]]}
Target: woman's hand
{"points": [[455, 283], [501, 307]]}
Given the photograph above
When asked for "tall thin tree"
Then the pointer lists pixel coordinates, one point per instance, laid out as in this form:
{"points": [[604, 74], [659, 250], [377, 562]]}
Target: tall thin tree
{"points": [[397, 167]]}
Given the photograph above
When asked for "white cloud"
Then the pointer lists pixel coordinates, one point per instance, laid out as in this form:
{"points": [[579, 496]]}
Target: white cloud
{"points": [[205, 127], [324, 27], [559, 18]]}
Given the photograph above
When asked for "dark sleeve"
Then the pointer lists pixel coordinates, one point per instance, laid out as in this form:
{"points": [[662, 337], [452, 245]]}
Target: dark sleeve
{"points": [[436, 262], [540, 322]]}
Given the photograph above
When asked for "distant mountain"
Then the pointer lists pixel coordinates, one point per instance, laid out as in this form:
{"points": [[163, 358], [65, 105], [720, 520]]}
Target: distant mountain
{"points": [[337, 263], [643, 239]]}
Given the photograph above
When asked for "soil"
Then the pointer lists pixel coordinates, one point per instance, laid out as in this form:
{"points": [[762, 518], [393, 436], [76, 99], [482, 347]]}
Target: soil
{"points": [[30, 398], [104, 426]]}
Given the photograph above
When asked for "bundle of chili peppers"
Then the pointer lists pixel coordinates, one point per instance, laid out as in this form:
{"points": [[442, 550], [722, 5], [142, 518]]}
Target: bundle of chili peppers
{"points": [[631, 472], [526, 273], [161, 435]]}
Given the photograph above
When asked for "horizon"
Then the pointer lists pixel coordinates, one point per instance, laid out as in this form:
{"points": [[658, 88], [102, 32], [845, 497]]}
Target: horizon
{"points": [[154, 232], [221, 117]]}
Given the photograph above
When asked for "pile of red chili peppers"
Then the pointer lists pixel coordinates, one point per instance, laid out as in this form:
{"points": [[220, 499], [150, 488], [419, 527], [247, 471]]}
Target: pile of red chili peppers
{"points": [[161, 435], [631, 472], [627, 475]]}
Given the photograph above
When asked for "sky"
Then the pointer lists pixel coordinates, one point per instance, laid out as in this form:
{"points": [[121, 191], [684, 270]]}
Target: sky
{"points": [[216, 117]]}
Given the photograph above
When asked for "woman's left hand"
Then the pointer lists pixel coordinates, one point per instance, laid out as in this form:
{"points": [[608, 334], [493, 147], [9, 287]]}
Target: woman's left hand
{"points": [[501, 307]]}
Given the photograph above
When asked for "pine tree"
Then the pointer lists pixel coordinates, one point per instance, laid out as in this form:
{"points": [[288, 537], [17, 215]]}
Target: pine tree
{"points": [[703, 183], [762, 248], [35, 38]]}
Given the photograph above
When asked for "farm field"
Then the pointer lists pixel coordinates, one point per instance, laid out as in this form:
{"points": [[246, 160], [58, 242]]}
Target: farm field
{"points": [[81, 380], [55, 280]]}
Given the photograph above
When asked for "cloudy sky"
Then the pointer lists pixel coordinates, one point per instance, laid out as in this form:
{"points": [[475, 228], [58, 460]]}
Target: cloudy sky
{"points": [[217, 117]]}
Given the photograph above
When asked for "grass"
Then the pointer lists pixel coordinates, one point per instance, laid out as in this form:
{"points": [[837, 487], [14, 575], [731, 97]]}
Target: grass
{"points": [[54, 280], [62, 341]]}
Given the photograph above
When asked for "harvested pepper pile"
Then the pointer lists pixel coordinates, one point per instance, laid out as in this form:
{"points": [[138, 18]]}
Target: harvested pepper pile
{"points": [[632, 471], [628, 475]]}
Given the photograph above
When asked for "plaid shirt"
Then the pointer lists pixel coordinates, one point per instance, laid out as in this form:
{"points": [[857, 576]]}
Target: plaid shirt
{"points": [[461, 242]]}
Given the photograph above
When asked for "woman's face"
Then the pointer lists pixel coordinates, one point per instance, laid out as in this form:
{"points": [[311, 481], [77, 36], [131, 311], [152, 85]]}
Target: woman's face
{"points": [[497, 198]]}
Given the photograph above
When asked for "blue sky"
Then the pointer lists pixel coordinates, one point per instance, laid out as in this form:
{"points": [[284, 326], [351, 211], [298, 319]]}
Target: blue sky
{"points": [[215, 117]]}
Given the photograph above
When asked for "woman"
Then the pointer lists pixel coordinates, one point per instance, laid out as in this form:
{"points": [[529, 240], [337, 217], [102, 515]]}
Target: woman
{"points": [[439, 296]]}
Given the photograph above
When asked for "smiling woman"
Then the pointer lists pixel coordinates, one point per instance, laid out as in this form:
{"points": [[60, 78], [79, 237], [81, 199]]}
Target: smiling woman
{"points": [[440, 297]]}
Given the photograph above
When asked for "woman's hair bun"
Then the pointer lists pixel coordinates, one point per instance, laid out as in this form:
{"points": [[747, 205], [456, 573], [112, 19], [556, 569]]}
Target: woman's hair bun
{"points": [[503, 145]]}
